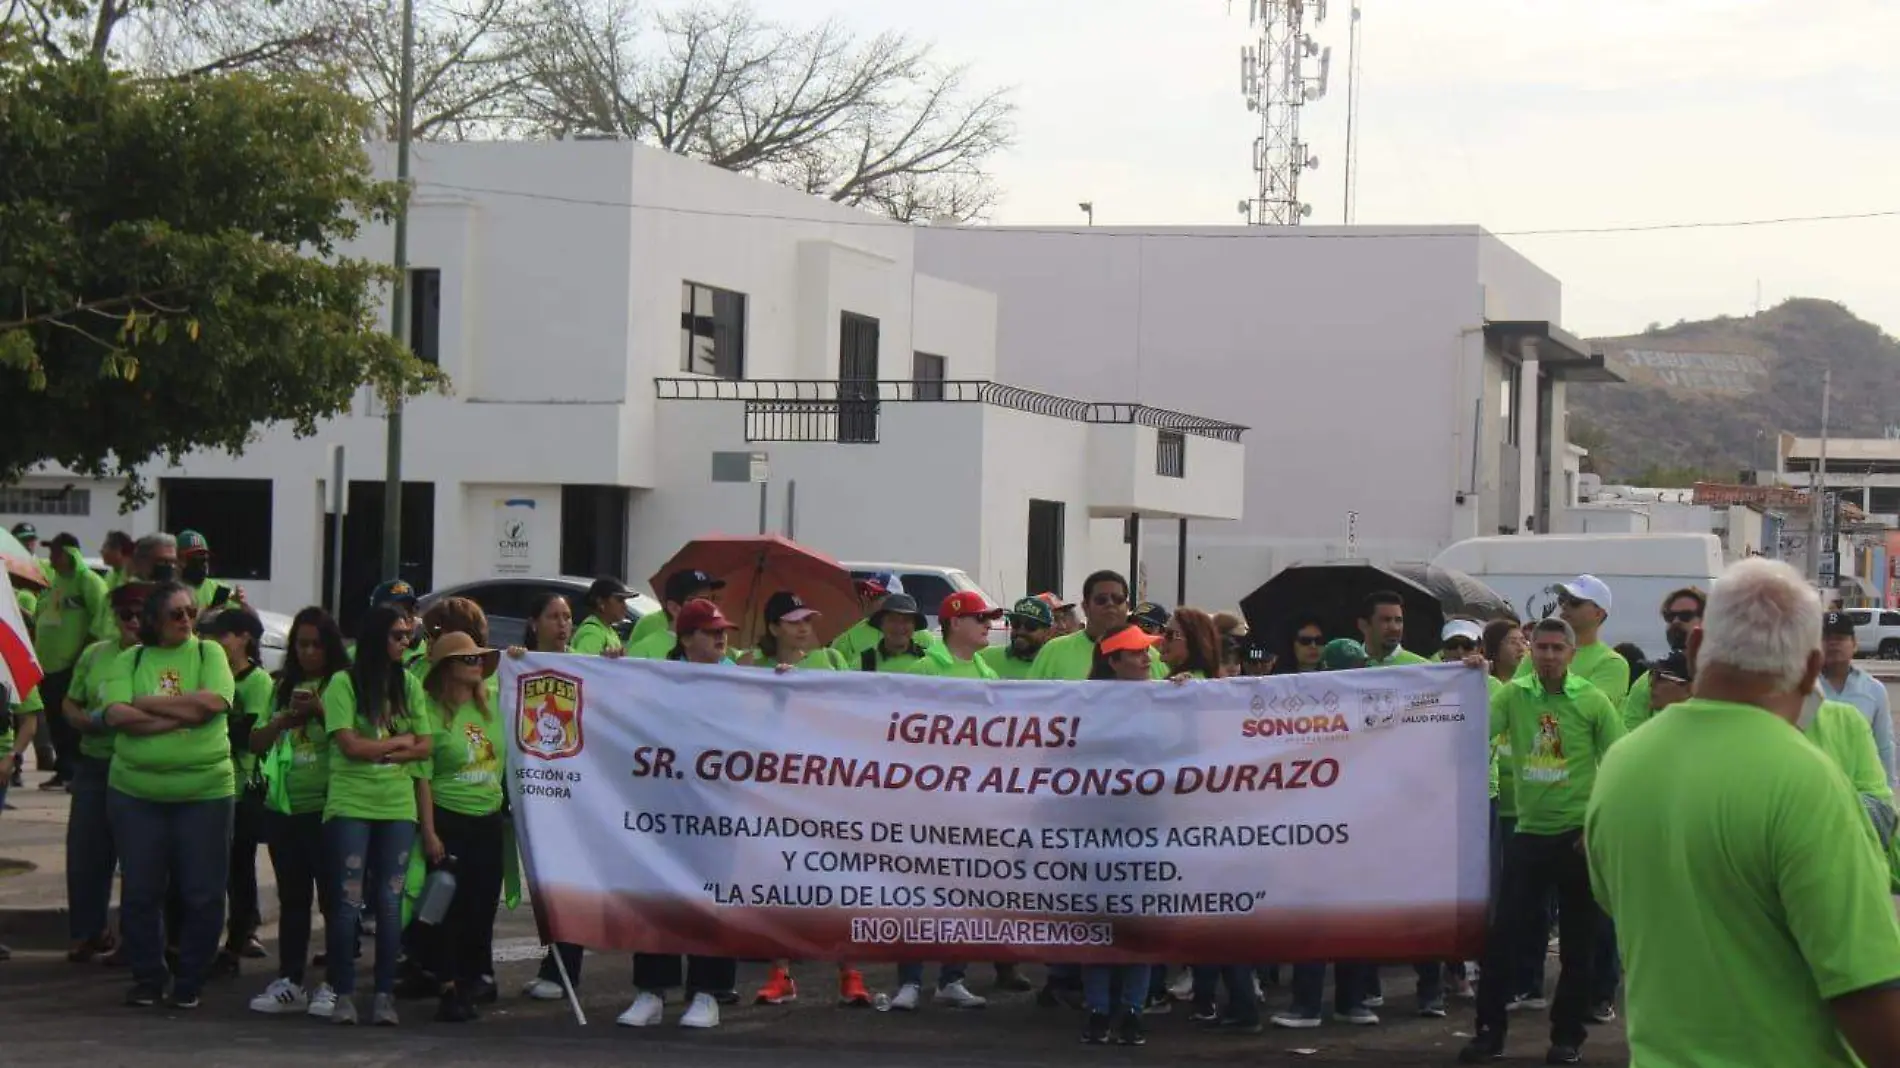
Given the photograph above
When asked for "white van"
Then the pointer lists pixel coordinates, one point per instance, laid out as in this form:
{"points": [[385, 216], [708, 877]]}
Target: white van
{"points": [[1640, 569]]}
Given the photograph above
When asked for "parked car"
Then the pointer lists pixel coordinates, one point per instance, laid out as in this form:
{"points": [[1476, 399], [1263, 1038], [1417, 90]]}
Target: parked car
{"points": [[930, 585], [272, 647], [506, 600], [1876, 631]]}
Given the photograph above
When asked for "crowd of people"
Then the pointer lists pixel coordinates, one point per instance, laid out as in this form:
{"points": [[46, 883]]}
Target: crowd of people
{"points": [[365, 770]]}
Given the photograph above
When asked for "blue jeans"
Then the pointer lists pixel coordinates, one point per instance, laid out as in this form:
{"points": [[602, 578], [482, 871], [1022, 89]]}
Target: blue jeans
{"points": [[184, 846], [1242, 1007], [351, 846], [913, 972], [90, 856], [1098, 978]]}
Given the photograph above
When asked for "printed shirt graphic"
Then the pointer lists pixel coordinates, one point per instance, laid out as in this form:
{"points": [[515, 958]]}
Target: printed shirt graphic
{"points": [[1766, 870], [1557, 741], [361, 789], [466, 763], [302, 758], [188, 764]]}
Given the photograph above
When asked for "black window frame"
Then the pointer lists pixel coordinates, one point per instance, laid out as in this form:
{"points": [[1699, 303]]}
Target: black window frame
{"points": [[727, 312], [928, 372], [425, 314], [1170, 454], [240, 545]]}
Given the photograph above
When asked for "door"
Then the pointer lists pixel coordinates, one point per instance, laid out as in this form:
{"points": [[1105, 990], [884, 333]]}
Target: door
{"points": [[1044, 571], [594, 531], [363, 546], [857, 379]]}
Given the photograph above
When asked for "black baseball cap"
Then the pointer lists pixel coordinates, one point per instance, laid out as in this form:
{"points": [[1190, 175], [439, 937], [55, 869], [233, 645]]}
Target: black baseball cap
{"points": [[682, 585], [1837, 625], [233, 621], [607, 586], [786, 606]]}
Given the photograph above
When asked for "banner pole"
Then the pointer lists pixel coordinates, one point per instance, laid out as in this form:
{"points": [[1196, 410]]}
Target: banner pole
{"points": [[567, 985]]}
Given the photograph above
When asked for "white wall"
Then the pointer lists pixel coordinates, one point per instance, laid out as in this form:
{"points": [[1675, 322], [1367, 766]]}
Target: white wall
{"points": [[1355, 361], [1029, 457]]}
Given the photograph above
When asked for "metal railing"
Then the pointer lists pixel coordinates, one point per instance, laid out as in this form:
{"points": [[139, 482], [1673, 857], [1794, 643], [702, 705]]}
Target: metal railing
{"points": [[846, 410], [1171, 454]]}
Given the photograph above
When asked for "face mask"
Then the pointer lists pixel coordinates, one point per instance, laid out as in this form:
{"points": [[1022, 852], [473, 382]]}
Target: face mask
{"points": [[164, 572], [196, 572]]}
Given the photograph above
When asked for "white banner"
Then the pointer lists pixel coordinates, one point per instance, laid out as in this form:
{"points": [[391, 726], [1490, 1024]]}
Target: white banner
{"points": [[823, 815]]}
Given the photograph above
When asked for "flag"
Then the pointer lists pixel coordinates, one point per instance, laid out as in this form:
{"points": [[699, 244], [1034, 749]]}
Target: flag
{"points": [[19, 668]]}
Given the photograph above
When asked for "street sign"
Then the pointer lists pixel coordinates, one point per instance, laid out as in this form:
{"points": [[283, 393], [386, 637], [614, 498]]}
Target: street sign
{"points": [[741, 467]]}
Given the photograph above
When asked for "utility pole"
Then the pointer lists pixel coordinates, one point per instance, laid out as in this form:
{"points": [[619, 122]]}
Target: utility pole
{"points": [[1817, 486], [399, 297]]}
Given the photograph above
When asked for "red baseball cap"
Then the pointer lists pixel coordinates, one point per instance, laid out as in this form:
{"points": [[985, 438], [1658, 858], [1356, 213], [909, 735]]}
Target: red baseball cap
{"points": [[701, 615], [968, 604], [871, 587], [1128, 641], [1054, 602]]}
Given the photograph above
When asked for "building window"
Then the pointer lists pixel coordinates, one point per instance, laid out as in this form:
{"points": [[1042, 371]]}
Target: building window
{"points": [[1047, 528], [712, 331], [19, 500], [1171, 454], [234, 515], [928, 372], [1507, 402], [857, 379], [425, 314]]}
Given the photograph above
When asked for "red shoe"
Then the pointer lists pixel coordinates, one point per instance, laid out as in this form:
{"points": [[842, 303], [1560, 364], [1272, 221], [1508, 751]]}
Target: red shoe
{"points": [[778, 989], [851, 988]]}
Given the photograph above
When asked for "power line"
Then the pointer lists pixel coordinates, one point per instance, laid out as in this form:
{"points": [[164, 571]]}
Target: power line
{"points": [[1234, 233]]}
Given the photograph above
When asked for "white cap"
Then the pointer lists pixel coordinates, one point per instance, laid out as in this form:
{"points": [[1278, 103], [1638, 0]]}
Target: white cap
{"points": [[1467, 629], [1589, 588]]}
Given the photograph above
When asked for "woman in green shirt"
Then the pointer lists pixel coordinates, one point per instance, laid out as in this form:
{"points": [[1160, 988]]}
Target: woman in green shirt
{"points": [[460, 805], [294, 749], [374, 713], [790, 639], [604, 609], [170, 794], [238, 631]]}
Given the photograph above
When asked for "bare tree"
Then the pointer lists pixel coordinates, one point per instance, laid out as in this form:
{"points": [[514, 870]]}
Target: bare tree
{"points": [[868, 121], [181, 37], [468, 74]]}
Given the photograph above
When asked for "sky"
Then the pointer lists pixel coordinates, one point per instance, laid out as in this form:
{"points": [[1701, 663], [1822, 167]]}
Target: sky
{"points": [[1511, 114]]}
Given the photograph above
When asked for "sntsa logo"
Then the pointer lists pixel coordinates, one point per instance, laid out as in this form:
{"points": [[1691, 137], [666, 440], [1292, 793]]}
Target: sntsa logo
{"points": [[548, 727]]}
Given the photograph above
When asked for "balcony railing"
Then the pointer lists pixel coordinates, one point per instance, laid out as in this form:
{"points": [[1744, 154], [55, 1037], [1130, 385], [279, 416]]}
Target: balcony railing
{"points": [[1171, 454], [846, 410]]}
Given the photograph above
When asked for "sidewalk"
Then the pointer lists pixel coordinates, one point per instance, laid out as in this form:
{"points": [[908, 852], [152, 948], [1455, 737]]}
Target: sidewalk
{"points": [[33, 902]]}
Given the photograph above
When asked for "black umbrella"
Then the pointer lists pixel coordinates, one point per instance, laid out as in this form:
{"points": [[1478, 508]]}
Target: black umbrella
{"points": [[1458, 593], [1334, 593]]}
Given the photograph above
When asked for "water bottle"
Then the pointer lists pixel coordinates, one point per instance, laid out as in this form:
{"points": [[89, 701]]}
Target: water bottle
{"points": [[437, 891], [882, 1002]]}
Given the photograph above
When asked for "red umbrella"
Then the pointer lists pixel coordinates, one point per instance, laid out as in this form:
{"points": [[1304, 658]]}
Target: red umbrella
{"points": [[754, 567]]}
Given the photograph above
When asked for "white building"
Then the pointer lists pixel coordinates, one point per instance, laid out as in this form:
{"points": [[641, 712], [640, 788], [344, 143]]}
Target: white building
{"points": [[612, 317], [1404, 387]]}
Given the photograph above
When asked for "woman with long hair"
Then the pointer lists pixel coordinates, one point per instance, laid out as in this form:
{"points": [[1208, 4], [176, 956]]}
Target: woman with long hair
{"points": [[375, 716], [701, 634], [1306, 639], [294, 751], [1191, 645], [460, 805], [171, 790]]}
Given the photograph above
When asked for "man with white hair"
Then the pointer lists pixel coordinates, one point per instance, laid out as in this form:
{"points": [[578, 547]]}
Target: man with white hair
{"points": [[1750, 896]]}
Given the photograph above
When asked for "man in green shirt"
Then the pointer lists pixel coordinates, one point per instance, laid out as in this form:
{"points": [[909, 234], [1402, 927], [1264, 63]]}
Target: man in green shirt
{"points": [[898, 622], [862, 635], [1072, 656], [1732, 850], [29, 538], [652, 637], [63, 625], [194, 554], [1584, 603], [965, 618], [1382, 628], [1031, 625], [1681, 611], [1560, 726]]}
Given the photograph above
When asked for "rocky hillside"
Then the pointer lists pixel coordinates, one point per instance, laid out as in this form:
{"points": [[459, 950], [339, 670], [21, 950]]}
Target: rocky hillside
{"points": [[1707, 399]]}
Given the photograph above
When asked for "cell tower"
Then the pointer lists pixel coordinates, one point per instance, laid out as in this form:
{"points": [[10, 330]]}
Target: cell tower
{"points": [[1275, 83]]}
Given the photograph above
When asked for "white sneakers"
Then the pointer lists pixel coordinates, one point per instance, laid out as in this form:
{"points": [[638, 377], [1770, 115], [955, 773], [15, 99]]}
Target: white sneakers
{"points": [[282, 996], [1183, 987], [543, 990], [958, 996], [906, 999], [322, 1001], [648, 1010]]}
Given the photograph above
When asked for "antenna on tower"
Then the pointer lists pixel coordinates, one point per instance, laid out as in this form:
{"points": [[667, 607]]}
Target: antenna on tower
{"points": [[1276, 83]]}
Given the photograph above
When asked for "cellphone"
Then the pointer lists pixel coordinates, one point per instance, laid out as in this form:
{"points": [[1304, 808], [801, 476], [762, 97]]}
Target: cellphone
{"points": [[220, 597]]}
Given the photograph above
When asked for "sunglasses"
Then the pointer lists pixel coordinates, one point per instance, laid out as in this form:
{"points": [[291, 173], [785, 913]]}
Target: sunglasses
{"points": [[468, 659], [1027, 627], [127, 615], [1108, 600], [1304, 640], [1681, 617], [1565, 601], [178, 615]]}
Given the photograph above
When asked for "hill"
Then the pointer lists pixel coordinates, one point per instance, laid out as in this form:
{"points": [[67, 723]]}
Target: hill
{"points": [[1707, 398]]}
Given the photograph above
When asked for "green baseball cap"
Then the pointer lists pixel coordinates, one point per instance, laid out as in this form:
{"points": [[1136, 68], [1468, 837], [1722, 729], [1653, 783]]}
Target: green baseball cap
{"points": [[190, 541], [26, 532], [1033, 610], [1342, 654]]}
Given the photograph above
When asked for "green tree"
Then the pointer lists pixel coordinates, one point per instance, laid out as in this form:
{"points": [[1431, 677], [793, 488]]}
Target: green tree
{"points": [[169, 275]]}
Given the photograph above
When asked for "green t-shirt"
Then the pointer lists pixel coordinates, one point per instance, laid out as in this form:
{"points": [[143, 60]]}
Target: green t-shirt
{"points": [[188, 764], [1596, 663], [299, 762], [465, 766], [89, 676], [207, 592], [1636, 710], [875, 659], [1005, 665], [1847, 738], [655, 646], [823, 658], [66, 614], [1399, 657], [360, 789], [943, 664], [1557, 741], [593, 637], [1072, 656], [647, 626], [1764, 879], [415, 659], [252, 701], [1492, 685], [862, 635]]}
